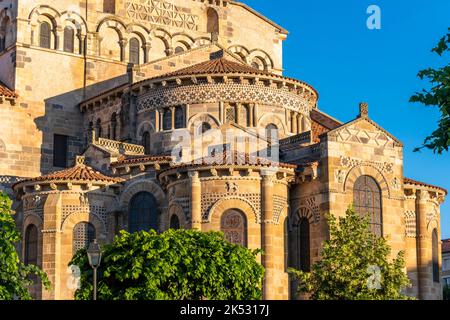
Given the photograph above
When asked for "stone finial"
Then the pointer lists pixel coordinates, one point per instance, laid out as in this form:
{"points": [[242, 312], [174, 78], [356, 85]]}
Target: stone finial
{"points": [[79, 160], [363, 110]]}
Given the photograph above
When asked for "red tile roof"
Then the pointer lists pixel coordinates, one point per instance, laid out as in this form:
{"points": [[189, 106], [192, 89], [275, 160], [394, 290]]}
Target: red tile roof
{"points": [[422, 184], [124, 160], [446, 246], [6, 92], [321, 123], [223, 66], [80, 172], [228, 158]]}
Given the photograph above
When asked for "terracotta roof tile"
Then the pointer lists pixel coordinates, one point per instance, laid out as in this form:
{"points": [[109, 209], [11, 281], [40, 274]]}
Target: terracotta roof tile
{"points": [[446, 246], [80, 172], [423, 184], [234, 158], [6, 92], [321, 123], [124, 160]]}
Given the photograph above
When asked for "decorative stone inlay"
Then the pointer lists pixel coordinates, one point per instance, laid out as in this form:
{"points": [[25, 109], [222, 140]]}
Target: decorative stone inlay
{"points": [[279, 203], [396, 184], [381, 166], [310, 202], [372, 138], [340, 175], [161, 13], [33, 204], [204, 93], [96, 210], [410, 224], [209, 199]]}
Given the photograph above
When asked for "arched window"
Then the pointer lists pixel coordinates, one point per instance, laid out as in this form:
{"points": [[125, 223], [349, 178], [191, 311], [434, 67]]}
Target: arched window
{"points": [[435, 256], [69, 39], [146, 142], [272, 138], [213, 21], [4, 29], [167, 119], [299, 248], [83, 235], [179, 50], [230, 114], [143, 213], [134, 51], [31, 245], [179, 118], [367, 200], [203, 128], [45, 35], [113, 133], [234, 225], [99, 128], [174, 222]]}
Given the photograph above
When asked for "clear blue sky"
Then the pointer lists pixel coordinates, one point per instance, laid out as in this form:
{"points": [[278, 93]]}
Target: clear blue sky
{"points": [[330, 47]]}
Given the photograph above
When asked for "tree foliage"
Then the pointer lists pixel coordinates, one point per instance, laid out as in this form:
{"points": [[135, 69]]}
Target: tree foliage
{"points": [[15, 276], [175, 265], [437, 96], [354, 265]]}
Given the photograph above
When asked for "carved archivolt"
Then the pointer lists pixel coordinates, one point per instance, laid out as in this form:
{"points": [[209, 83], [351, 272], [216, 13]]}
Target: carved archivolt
{"points": [[366, 170], [139, 186], [308, 205], [233, 202]]}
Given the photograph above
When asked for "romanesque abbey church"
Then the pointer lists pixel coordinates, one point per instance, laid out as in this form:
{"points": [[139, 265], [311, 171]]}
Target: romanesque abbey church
{"points": [[156, 114]]}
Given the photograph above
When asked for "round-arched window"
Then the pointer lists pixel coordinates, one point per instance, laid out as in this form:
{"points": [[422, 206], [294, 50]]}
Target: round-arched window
{"points": [[367, 200], [143, 214], [146, 142], [83, 235], [435, 256], [45, 35], [174, 222], [31, 245], [134, 51], [234, 225]]}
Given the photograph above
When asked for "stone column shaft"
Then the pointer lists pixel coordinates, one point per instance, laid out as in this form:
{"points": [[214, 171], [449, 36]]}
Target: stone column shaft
{"points": [[267, 237], [423, 245], [196, 201]]}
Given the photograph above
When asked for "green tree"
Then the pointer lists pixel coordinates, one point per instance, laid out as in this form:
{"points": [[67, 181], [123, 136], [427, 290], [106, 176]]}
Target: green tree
{"points": [[174, 265], [437, 96], [354, 265], [14, 275]]}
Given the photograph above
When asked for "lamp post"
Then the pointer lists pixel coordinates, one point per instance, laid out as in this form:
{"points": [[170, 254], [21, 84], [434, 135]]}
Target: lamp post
{"points": [[94, 254]]}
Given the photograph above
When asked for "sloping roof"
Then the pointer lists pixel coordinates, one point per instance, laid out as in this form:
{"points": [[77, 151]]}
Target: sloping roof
{"points": [[79, 172], [422, 184], [446, 246], [6, 92], [322, 123], [124, 160], [228, 158], [217, 66]]}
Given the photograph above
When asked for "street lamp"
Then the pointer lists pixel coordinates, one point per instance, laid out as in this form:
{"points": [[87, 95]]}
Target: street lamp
{"points": [[94, 254]]}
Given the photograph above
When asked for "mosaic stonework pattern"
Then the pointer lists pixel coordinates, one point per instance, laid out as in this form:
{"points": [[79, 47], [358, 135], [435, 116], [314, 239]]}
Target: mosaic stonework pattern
{"points": [[96, 210], [212, 93], [33, 204], [279, 203], [161, 13], [310, 203], [410, 222], [381, 166], [209, 199], [376, 139]]}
